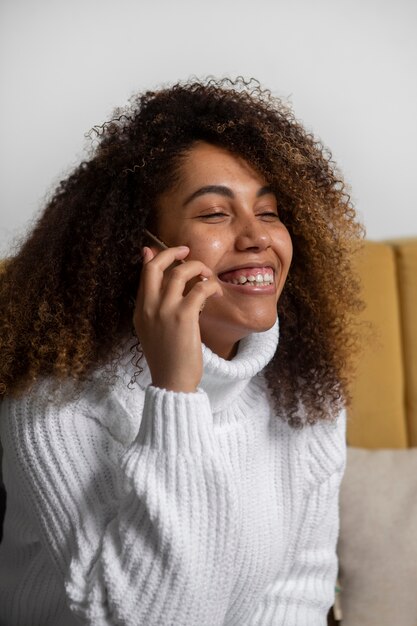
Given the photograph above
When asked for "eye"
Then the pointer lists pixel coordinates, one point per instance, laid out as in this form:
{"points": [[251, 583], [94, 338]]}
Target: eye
{"points": [[269, 215], [213, 216]]}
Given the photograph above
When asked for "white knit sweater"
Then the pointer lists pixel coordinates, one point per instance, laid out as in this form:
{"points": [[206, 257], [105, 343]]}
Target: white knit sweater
{"points": [[146, 507]]}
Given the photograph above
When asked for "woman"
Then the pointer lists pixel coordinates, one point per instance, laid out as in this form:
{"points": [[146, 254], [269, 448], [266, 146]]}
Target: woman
{"points": [[182, 469]]}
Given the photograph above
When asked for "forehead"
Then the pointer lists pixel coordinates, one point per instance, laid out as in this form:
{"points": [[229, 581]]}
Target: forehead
{"points": [[206, 163]]}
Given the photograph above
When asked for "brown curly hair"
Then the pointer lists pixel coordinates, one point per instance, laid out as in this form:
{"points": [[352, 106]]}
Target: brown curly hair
{"points": [[67, 296]]}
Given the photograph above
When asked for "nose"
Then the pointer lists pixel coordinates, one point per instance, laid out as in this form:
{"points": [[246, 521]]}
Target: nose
{"points": [[252, 234]]}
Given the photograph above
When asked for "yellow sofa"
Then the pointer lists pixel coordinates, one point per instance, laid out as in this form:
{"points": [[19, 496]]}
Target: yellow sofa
{"points": [[379, 492], [384, 409]]}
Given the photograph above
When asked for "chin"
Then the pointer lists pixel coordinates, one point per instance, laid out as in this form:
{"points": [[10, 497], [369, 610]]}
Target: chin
{"points": [[264, 327], [235, 326], [261, 325]]}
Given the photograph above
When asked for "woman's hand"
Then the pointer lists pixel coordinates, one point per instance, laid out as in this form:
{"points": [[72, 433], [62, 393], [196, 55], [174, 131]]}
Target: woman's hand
{"points": [[166, 317]]}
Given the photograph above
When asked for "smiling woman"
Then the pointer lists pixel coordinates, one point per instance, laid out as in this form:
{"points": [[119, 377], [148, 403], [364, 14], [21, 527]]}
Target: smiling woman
{"points": [[173, 413]]}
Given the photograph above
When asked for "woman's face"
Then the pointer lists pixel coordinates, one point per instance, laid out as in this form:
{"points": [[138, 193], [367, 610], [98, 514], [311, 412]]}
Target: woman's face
{"points": [[224, 211]]}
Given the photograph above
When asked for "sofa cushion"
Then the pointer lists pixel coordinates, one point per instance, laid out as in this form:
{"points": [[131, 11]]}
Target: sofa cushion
{"points": [[377, 416], [377, 545]]}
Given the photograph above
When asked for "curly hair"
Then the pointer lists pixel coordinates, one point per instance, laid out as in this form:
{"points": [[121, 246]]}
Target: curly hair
{"points": [[67, 296]]}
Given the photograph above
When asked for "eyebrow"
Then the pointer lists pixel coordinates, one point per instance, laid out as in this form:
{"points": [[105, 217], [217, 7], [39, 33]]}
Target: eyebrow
{"points": [[221, 190]]}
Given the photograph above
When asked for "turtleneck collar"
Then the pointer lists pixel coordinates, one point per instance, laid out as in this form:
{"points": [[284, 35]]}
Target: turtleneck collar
{"points": [[224, 380]]}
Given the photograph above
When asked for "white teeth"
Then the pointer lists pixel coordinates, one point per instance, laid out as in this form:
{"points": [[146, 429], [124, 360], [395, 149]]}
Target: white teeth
{"points": [[267, 279]]}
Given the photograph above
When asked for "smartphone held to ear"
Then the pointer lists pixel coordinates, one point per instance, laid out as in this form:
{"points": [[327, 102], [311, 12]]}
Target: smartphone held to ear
{"points": [[161, 245]]}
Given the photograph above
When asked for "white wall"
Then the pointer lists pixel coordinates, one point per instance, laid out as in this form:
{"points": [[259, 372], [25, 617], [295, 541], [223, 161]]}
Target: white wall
{"points": [[347, 66]]}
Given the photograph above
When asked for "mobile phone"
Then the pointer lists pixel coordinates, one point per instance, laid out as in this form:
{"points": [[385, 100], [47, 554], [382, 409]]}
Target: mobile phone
{"points": [[163, 246], [158, 242]]}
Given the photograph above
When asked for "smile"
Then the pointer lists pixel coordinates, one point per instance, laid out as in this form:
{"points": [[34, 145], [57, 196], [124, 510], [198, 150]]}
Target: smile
{"points": [[250, 277]]}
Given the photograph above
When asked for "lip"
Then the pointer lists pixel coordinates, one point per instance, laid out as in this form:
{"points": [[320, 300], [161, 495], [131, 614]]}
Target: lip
{"points": [[245, 266], [250, 289]]}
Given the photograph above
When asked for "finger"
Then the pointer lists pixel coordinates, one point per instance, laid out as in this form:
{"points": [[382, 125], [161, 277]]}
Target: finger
{"points": [[195, 300], [154, 250], [154, 265], [178, 280], [162, 259], [147, 255]]}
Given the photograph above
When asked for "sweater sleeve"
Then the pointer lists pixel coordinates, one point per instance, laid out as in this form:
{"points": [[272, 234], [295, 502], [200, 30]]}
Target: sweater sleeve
{"points": [[139, 535], [304, 590]]}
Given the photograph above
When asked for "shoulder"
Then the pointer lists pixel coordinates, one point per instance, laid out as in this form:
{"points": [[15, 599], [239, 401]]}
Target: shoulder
{"points": [[57, 437], [326, 449], [318, 451], [50, 405]]}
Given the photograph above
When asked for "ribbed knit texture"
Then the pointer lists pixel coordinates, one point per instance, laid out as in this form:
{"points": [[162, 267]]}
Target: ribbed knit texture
{"points": [[141, 506]]}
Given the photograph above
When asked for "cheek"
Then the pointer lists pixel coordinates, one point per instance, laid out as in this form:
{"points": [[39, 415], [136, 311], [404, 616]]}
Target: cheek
{"points": [[283, 247], [207, 249], [289, 251]]}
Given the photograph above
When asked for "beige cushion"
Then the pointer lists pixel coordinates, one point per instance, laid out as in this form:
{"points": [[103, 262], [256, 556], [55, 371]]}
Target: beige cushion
{"points": [[378, 538]]}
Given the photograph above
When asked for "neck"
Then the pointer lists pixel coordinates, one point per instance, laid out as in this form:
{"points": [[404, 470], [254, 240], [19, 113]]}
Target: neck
{"points": [[224, 351], [224, 348], [222, 338]]}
